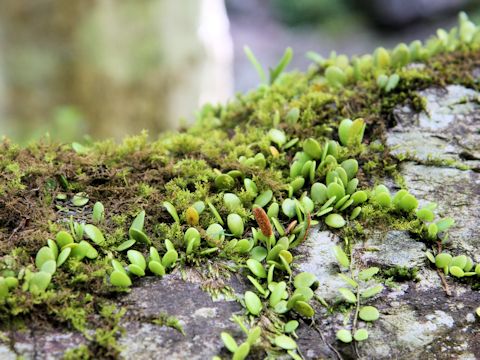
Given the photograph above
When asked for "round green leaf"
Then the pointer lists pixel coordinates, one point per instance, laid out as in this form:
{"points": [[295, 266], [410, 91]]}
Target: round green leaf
{"points": [[348, 295], [39, 282], [361, 335], [235, 224], [344, 336], [264, 198], [43, 255], [368, 313], [335, 221], [63, 238], [341, 257]]}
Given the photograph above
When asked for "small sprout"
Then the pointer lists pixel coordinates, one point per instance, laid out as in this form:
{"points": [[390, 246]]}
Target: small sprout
{"points": [[425, 214], [118, 266], [335, 221], [430, 256], [126, 244], [381, 58], [98, 214], [348, 295], [285, 342], [253, 335], [171, 210], [432, 231], [351, 132], [192, 239], [94, 233], [368, 313], [344, 336], [361, 335], [235, 224], [264, 198], [348, 280], [253, 303], [80, 199], [192, 217], [355, 213], [341, 257], [242, 246], [121, 279]]}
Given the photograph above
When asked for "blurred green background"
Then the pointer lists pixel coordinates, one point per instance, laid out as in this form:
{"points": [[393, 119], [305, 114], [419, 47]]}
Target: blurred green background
{"points": [[82, 69]]}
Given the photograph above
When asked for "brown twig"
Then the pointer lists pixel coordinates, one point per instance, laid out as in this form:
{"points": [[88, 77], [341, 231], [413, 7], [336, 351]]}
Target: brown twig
{"points": [[444, 282]]}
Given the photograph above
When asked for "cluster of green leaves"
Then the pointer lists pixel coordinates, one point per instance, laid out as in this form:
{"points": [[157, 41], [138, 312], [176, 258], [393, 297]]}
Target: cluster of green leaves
{"points": [[359, 288], [339, 70]]}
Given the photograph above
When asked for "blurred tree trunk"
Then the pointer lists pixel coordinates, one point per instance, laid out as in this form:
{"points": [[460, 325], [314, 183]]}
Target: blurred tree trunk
{"points": [[124, 65]]}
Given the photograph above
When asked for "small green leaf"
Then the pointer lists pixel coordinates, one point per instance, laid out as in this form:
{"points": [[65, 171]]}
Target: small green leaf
{"points": [[368, 273], [372, 291], [92, 232], [43, 255], [172, 211], [121, 279], [242, 351], [156, 267], [63, 238], [341, 257], [368, 313], [348, 295], [98, 213], [125, 245], [64, 254], [253, 303], [361, 335], [305, 280], [229, 342], [344, 336], [80, 199], [256, 268], [285, 342], [39, 282], [137, 258], [169, 258], [335, 221]]}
